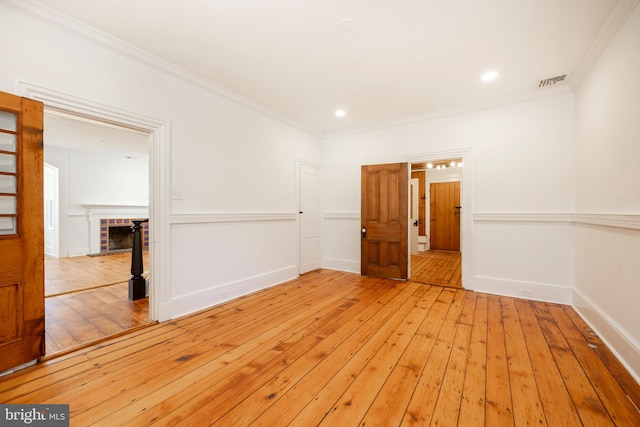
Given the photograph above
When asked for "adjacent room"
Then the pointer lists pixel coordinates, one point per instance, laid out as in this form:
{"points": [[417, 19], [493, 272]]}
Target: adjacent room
{"points": [[96, 181]]}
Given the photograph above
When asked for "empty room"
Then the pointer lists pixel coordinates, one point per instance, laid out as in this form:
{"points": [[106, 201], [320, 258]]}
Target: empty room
{"points": [[359, 213]]}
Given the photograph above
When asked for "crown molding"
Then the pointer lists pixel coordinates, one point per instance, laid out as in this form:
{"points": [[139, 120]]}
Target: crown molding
{"points": [[456, 111], [32, 9], [85, 32], [615, 21]]}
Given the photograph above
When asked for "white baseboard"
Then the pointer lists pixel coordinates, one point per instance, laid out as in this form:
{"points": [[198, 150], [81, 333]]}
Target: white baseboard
{"points": [[187, 304], [521, 289], [341, 265], [77, 252], [164, 312], [619, 341]]}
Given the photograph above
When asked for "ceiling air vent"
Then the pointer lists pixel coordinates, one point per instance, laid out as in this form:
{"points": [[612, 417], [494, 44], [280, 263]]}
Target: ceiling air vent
{"points": [[551, 81]]}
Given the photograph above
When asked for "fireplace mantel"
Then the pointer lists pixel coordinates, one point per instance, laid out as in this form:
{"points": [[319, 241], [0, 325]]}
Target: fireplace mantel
{"points": [[114, 208], [97, 212]]}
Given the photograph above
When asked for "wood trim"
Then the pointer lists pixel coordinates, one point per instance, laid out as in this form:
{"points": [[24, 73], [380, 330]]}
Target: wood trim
{"points": [[627, 221], [231, 217], [618, 340], [456, 111], [352, 216], [618, 16], [95, 342], [624, 221], [522, 289], [467, 224], [183, 305], [522, 217]]}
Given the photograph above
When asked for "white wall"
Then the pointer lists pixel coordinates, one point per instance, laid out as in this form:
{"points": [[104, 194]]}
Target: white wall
{"points": [[93, 179], [107, 179], [522, 191], [225, 158], [607, 192]]}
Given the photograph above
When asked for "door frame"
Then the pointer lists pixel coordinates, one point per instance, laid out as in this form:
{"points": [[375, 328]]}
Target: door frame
{"points": [[467, 228], [414, 235], [159, 171], [430, 182], [299, 164], [53, 210]]}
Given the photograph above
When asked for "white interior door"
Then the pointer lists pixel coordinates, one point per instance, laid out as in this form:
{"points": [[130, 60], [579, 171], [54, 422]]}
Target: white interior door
{"points": [[310, 224], [51, 247], [415, 217]]}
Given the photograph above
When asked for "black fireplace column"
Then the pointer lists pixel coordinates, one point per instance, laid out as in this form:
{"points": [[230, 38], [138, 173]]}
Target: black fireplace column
{"points": [[137, 283]]}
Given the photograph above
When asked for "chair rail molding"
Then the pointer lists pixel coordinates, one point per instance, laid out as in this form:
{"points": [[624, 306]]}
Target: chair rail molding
{"points": [[616, 220], [207, 218], [353, 216], [522, 217], [628, 221]]}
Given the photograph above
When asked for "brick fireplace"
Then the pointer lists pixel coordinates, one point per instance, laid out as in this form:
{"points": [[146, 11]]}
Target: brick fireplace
{"points": [[102, 218], [116, 234]]}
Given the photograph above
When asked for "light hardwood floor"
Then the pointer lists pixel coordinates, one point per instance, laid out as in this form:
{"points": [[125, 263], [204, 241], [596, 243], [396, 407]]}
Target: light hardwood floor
{"points": [[338, 349], [87, 300], [437, 268], [65, 275]]}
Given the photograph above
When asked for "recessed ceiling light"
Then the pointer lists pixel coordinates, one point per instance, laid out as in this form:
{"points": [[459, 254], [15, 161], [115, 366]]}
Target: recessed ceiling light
{"points": [[341, 113], [489, 76], [346, 24]]}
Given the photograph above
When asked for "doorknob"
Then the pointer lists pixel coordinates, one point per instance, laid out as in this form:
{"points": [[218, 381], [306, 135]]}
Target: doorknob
{"points": [[364, 232], [415, 223]]}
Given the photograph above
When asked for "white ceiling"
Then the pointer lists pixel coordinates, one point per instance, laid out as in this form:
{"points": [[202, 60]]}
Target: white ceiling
{"points": [[399, 59], [75, 133]]}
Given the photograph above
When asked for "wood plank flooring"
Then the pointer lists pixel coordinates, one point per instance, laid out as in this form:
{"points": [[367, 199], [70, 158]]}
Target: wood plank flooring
{"points": [[82, 317], [87, 300], [338, 349], [437, 268], [64, 275]]}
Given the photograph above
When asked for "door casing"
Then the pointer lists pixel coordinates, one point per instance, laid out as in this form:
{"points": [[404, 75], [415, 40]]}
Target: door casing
{"points": [[467, 227], [413, 227], [159, 169], [444, 216]]}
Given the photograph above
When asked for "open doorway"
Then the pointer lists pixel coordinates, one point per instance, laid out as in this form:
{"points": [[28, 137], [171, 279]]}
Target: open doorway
{"points": [[436, 256], [99, 175]]}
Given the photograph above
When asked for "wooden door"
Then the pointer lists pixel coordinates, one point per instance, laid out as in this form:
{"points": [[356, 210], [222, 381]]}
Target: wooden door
{"points": [[310, 223], [415, 218], [445, 216], [21, 231], [384, 213]]}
